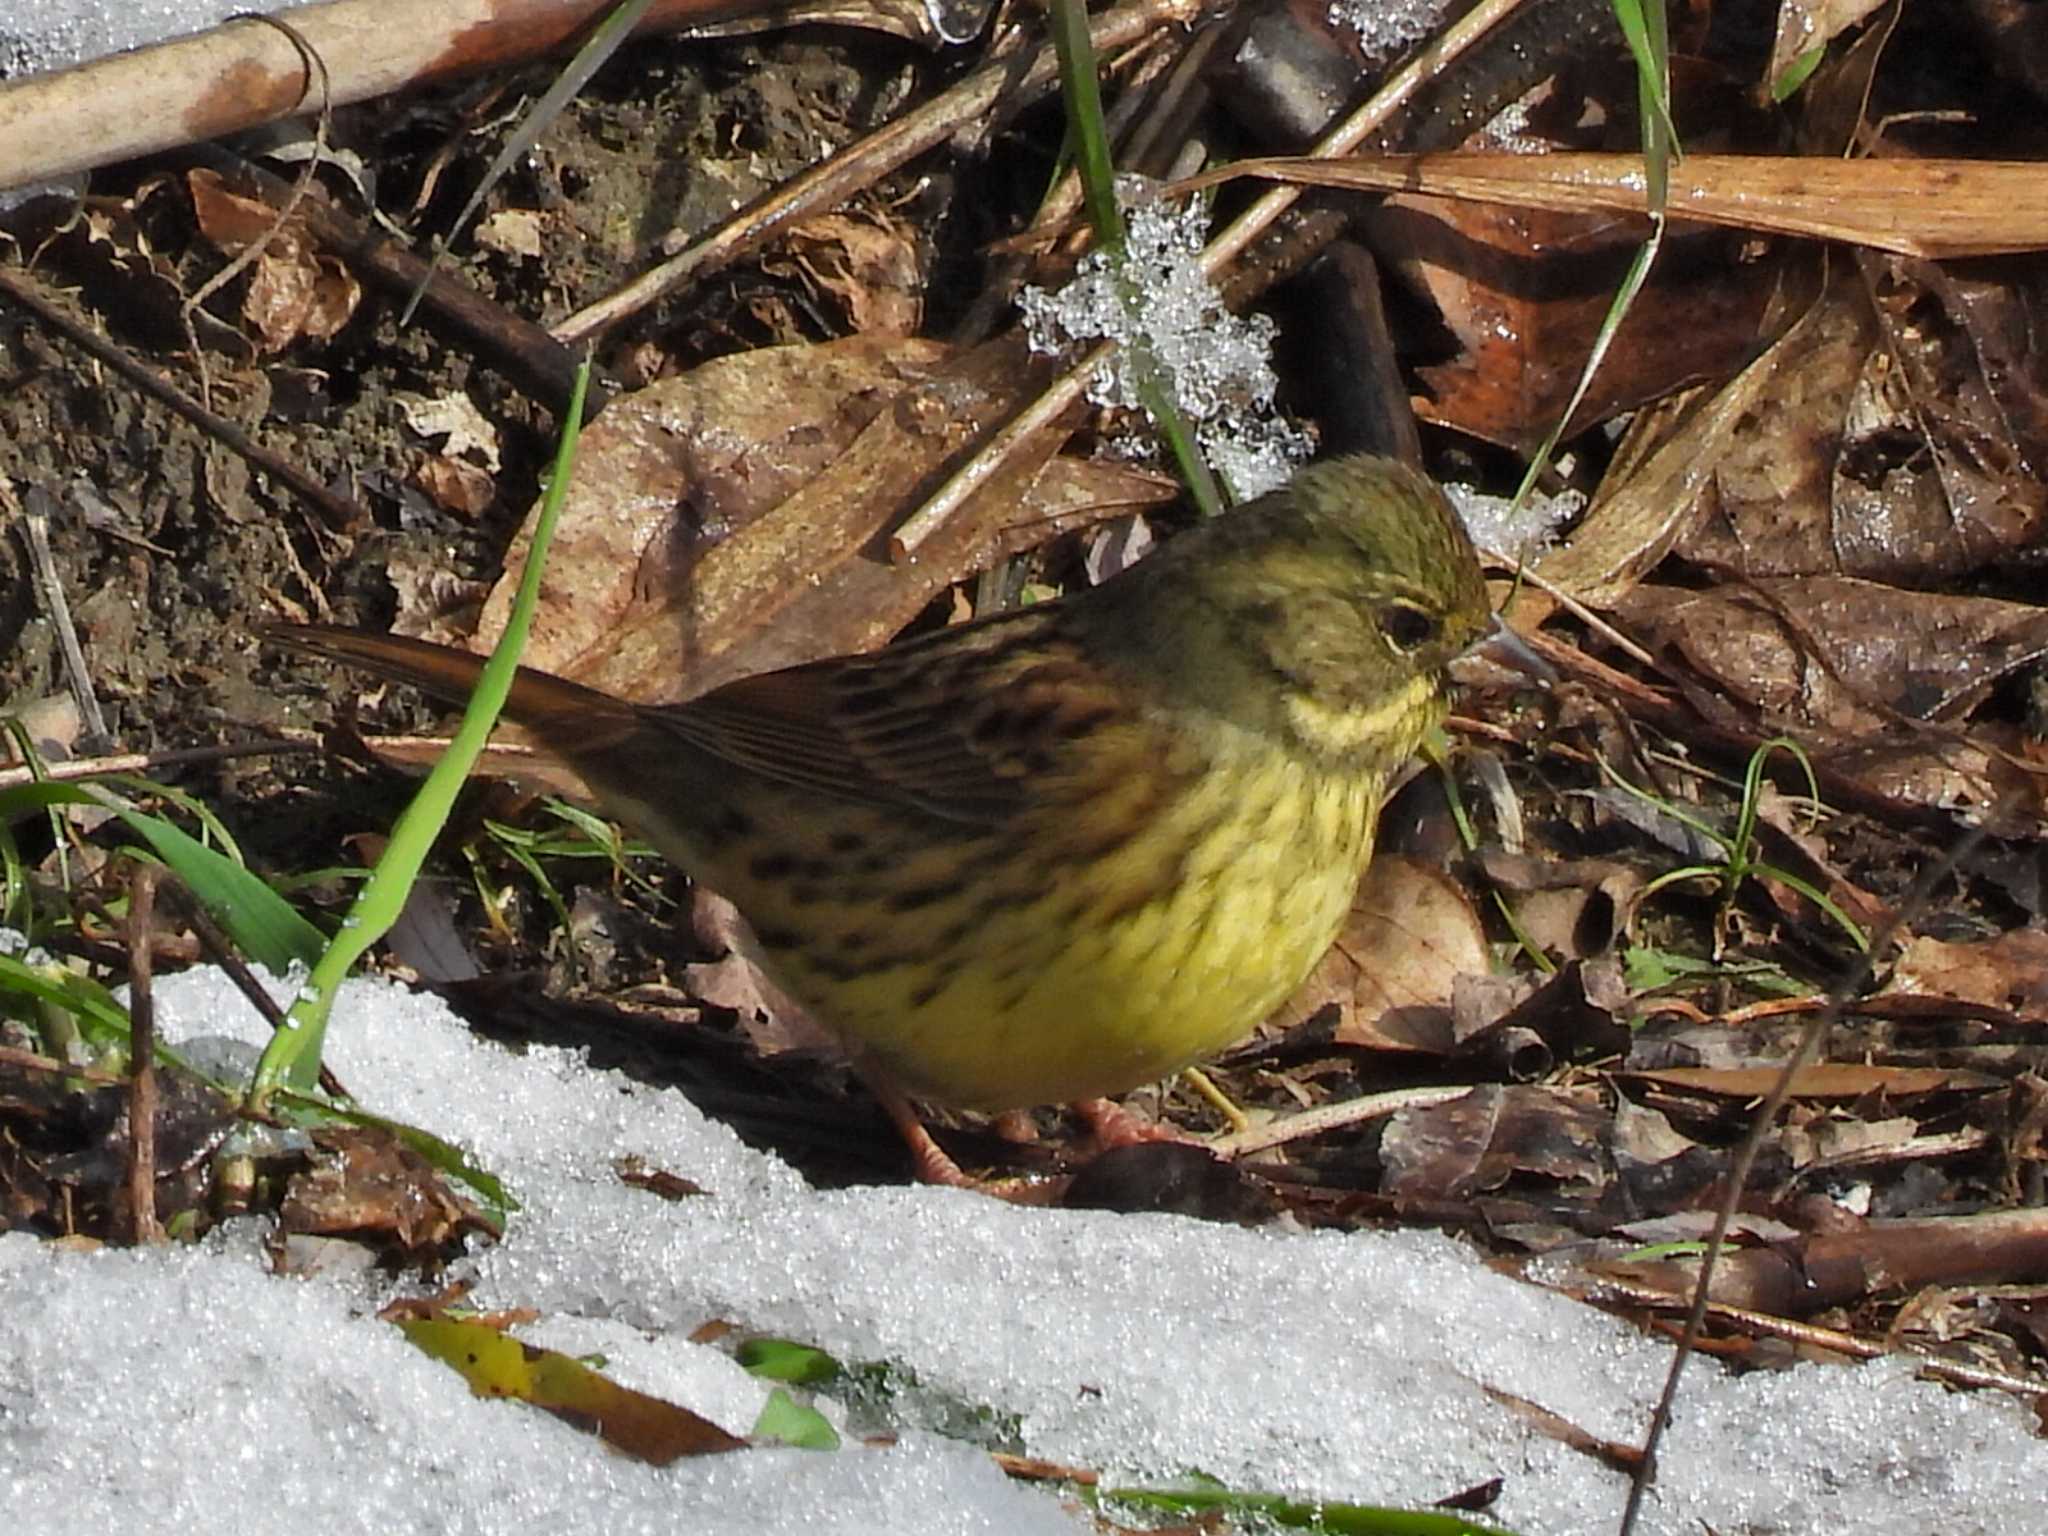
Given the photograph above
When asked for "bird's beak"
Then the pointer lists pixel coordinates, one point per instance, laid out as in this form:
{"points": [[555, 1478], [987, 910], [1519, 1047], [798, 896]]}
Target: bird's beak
{"points": [[1504, 648]]}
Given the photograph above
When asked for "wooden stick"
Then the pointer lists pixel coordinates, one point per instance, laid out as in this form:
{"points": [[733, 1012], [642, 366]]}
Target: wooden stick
{"points": [[243, 73]]}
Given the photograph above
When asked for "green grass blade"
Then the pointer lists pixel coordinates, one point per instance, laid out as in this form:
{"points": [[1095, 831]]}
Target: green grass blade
{"points": [[1819, 898], [1087, 132], [1298, 1514], [262, 924], [104, 1022], [1610, 326], [1649, 41], [293, 1058]]}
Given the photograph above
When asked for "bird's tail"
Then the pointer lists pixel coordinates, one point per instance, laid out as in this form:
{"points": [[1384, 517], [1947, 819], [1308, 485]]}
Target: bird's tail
{"points": [[556, 710]]}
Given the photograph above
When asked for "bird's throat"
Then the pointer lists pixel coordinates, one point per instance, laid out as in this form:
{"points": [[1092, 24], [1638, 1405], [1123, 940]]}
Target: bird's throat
{"points": [[1384, 732]]}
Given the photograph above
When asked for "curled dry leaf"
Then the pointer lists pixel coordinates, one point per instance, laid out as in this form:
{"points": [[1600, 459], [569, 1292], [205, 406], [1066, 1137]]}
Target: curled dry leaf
{"points": [[365, 1181], [1879, 677], [869, 267], [456, 485], [1827, 456], [1574, 908], [1476, 1143], [455, 419], [434, 602], [295, 290], [774, 1022], [1579, 1010]]}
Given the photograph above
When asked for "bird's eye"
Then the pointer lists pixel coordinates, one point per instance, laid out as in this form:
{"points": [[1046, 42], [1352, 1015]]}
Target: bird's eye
{"points": [[1407, 627]]}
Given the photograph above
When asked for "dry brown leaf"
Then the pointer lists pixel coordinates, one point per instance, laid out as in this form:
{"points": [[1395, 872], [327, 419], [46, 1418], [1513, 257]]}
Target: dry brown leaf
{"points": [[512, 232], [1575, 908], [1651, 494], [731, 521], [870, 268], [1478, 1142], [295, 289], [2009, 972], [1797, 1276], [1411, 933], [1820, 1080], [1839, 655], [456, 485], [1525, 292], [367, 1181], [497, 1365], [1894, 453], [434, 602], [1842, 1141], [774, 1022]]}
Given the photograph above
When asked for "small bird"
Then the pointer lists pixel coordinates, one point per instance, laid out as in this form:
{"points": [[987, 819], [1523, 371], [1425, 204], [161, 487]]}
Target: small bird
{"points": [[1058, 853]]}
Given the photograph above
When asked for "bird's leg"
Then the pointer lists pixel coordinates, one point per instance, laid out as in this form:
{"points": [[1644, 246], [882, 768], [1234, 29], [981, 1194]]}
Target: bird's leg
{"points": [[928, 1160], [931, 1165], [1114, 1126]]}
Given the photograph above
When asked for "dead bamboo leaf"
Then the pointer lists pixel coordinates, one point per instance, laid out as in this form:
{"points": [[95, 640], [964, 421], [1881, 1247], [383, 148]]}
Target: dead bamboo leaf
{"points": [[1939, 209]]}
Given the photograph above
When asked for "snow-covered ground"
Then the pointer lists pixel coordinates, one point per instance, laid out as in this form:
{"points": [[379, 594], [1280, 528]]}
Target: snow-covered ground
{"points": [[185, 1388]]}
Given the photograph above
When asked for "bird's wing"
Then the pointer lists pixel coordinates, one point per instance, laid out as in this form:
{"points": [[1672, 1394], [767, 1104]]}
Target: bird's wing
{"points": [[952, 724]]}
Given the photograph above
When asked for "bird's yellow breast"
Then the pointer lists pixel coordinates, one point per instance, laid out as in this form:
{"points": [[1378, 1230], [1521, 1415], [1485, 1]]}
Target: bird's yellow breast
{"points": [[1098, 976]]}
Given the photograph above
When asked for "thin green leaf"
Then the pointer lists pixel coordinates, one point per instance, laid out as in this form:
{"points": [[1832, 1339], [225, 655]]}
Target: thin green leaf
{"points": [[785, 1360], [1299, 1514], [262, 924], [1610, 326], [1683, 818], [1087, 132], [1643, 27], [1797, 73], [1820, 899], [105, 1020], [293, 1058]]}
